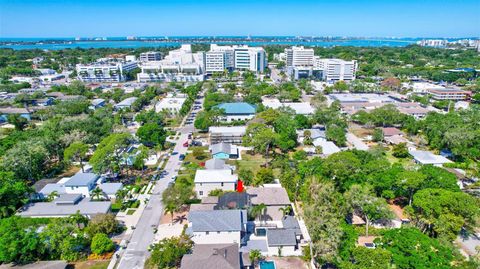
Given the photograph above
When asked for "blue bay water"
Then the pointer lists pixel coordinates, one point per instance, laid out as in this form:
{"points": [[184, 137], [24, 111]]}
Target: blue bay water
{"points": [[65, 43]]}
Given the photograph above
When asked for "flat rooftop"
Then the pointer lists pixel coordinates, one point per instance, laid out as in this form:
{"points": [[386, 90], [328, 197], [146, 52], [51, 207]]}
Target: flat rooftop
{"points": [[361, 97]]}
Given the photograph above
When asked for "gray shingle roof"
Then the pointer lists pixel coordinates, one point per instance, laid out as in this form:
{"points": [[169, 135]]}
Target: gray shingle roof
{"points": [[218, 220], [51, 187], [289, 222], [81, 179], [216, 164], [210, 256], [281, 237], [268, 196], [221, 148], [110, 188], [69, 199]]}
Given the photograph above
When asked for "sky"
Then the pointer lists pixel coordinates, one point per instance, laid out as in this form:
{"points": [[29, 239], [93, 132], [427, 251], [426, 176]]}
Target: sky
{"points": [[360, 18]]}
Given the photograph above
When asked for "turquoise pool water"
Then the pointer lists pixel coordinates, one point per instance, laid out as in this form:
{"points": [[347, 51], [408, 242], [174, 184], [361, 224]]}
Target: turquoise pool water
{"points": [[267, 265]]}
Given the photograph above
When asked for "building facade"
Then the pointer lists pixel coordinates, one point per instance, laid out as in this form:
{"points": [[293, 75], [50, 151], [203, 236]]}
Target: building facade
{"points": [[299, 56], [179, 65], [221, 58], [108, 71], [150, 56], [336, 69]]}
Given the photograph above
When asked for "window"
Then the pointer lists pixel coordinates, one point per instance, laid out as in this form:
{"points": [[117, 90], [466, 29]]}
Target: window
{"points": [[218, 232], [200, 193], [207, 233], [221, 184]]}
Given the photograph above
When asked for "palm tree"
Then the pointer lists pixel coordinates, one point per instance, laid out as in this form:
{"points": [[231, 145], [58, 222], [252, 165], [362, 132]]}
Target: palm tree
{"points": [[6, 211], [255, 255], [121, 194], [259, 211], [170, 208], [52, 195], [286, 210], [97, 193]]}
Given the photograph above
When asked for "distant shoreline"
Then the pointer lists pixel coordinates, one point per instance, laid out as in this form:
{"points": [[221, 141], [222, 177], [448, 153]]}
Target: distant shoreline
{"points": [[138, 42]]}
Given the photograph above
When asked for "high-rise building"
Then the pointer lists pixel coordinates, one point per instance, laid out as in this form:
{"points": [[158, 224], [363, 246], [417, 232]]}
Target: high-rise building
{"points": [[250, 58], [150, 56], [221, 58], [299, 56]]}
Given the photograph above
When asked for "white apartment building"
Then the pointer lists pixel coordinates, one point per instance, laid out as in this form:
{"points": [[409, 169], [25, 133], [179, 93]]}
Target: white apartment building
{"points": [[150, 56], [336, 69], [299, 56], [108, 71], [433, 43], [221, 58], [179, 65]]}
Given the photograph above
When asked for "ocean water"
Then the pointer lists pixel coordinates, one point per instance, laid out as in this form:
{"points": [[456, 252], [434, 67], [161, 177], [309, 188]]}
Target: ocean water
{"points": [[121, 42]]}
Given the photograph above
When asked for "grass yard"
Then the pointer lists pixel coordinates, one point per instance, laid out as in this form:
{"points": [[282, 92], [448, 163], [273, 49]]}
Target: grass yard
{"points": [[130, 211], [405, 162], [248, 162], [91, 265]]}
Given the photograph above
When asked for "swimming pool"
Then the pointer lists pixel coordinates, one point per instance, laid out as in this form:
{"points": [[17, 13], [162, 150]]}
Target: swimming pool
{"points": [[267, 265]]}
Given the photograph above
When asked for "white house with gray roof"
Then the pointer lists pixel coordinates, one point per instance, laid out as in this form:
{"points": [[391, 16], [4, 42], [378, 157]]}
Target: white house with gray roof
{"points": [[65, 205], [213, 179], [217, 226], [426, 157], [81, 183]]}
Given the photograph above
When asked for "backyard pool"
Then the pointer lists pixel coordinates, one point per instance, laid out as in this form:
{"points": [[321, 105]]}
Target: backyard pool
{"points": [[267, 265]]}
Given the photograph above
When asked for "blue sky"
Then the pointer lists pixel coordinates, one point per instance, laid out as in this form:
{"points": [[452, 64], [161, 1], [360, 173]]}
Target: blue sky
{"points": [[89, 18]]}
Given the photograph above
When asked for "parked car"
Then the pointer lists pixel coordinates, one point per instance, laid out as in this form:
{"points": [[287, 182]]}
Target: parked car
{"points": [[174, 153], [181, 157], [185, 144]]}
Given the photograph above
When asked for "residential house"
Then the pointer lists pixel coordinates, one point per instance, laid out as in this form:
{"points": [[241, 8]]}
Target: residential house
{"points": [[233, 135], [5, 111], [209, 180], [97, 103], [65, 205], [396, 139], [217, 226], [328, 147], [209, 256], [216, 164], [126, 103], [302, 108], [426, 157], [282, 242], [274, 197], [111, 189], [391, 131], [81, 183], [237, 111], [171, 104], [224, 151]]}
